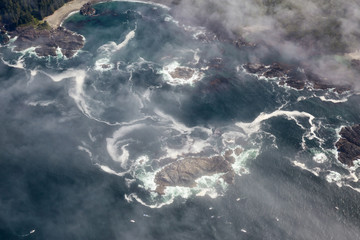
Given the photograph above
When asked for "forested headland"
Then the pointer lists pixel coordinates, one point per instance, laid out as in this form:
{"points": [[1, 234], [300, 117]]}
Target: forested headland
{"points": [[17, 12]]}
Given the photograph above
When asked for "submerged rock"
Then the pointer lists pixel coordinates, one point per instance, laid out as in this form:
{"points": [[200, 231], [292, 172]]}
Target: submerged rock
{"points": [[47, 41], [348, 145], [185, 172]]}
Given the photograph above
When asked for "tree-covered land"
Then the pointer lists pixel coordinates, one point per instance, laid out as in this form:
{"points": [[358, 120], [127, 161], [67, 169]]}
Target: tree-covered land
{"points": [[17, 12]]}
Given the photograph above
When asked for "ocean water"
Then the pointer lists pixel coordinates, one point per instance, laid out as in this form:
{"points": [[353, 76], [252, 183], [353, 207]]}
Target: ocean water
{"points": [[82, 139]]}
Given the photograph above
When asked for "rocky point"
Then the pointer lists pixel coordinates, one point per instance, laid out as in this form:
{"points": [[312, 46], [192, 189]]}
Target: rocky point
{"points": [[348, 145], [293, 76], [47, 41]]}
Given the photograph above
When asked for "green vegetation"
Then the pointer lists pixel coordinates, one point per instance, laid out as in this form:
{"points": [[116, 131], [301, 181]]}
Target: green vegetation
{"points": [[18, 12]]}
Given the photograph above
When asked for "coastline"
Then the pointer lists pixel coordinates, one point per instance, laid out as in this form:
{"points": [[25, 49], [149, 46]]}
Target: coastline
{"points": [[56, 19], [47, 41]]}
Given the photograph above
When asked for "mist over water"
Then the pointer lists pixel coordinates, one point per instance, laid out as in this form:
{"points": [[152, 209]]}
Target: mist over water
{"points": [[81, 139]]}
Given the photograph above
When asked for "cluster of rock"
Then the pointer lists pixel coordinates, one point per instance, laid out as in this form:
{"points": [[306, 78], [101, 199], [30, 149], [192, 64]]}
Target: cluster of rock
{"points": [[185, 172], [47, 41], [242, 42], [87, 10], [292, 76], [348, 145]]}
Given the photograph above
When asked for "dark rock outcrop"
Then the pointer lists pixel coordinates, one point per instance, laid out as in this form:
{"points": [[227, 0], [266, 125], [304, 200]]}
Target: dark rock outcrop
{"points": [[47, 41], [87, 10], [4, 38], [182, 72], [241, 42], [293, 76], [319, 82], [348, 145], [287, 74], [185, 172]]}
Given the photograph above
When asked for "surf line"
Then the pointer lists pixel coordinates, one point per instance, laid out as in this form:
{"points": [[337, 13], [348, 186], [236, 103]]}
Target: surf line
{"points": [[254, 126]]}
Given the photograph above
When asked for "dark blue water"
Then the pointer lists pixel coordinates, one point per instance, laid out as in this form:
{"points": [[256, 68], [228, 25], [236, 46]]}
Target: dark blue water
{"points": [[82, 138]]}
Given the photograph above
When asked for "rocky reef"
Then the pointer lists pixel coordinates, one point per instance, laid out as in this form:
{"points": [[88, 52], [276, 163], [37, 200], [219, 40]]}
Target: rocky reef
{"points": [[182, 72], [87, 10], [348, 145], [293, 76], [47, 41], [185, 172]]}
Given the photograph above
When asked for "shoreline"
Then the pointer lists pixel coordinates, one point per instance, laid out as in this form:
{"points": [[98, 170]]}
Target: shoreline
{"points": [[56, 19], [54, 38]]}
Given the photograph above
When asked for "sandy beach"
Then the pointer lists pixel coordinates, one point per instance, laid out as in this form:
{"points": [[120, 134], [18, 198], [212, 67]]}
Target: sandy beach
{"points": [[60, 14]]}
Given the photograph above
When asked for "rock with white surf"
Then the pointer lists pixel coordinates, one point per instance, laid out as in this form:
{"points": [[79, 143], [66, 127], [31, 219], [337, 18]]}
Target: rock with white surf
{"points": [[348, 145], [185, 172], [47, 41], [294, 76]]}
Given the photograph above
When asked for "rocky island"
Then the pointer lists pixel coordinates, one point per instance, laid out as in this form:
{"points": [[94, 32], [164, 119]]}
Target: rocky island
{"points": [[182, 72], [185, 172], [348, 145]]}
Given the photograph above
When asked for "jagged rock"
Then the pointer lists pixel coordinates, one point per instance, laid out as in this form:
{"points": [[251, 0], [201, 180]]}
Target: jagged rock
{"points": [[229, 177], [87, 10], [47, 41], [241, 42], [323, 83], [293, 76], [348, 145], [238, 151], [272, 71], [106, 66], [228, 156], [185, 172], [206, 37], [285, 73], [46, 51], [4, 39]]}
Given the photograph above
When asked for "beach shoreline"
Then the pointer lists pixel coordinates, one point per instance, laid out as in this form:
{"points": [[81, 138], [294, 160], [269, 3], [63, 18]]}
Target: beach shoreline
{"points": [[56, 19]]}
